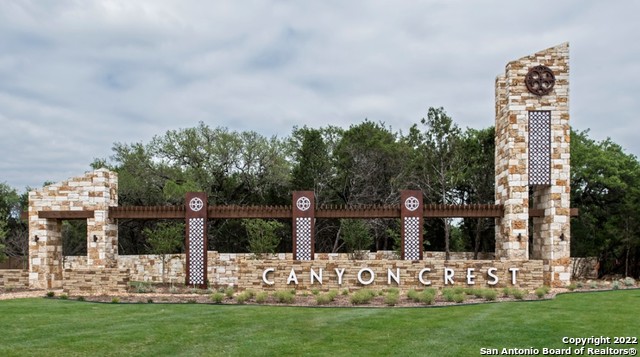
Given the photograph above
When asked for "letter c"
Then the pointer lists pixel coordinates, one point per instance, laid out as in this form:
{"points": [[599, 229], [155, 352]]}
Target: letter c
{"points": [[264, 276]]}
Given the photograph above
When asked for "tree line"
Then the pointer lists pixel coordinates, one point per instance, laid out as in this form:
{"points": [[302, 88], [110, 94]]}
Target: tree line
{"points": [[367, 163]]}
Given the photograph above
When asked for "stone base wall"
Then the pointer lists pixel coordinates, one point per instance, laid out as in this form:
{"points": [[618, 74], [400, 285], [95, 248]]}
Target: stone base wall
{"points": [[14, 278], [80, 282], [357, 274], [245, 271]]}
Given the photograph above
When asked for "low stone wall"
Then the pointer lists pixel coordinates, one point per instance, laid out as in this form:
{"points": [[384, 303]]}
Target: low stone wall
{"points": [[80, 282], [404, 275], [245, 271], [14, 278]]}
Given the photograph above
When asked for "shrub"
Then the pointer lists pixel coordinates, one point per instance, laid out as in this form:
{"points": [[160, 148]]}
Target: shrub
{"points": [[80, 298], [217, 298], [413, 295], [572, 286], [448, 294], [228, 292], [345, 292], [579, 285], [490, 294], [616, 285], [393, 291], [479, 293], [141, 287], [458, 298], [149, 301], [391, 299], [427, 297], [243, 297], [332, 294], [191, 301], [173, 290], [50, 294], [323, 299], [261, 297], [546, 288], [315, 291], [628, 281], [506, 291], [541, 292], [64, 297], [264, 236], [115, 300], [356, 236], [517, 293], [284, 297], [363, 296], [593, 285], [458, 290]]}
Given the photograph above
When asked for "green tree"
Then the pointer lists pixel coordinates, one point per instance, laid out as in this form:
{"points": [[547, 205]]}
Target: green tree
{"points": [[356, 236], [264, 236], [164, 239]]}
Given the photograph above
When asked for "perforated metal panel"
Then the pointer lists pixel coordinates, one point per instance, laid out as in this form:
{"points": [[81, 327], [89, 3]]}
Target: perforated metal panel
{"points": [[412, 238], [303, 231], [539, 148], [196, 246]]}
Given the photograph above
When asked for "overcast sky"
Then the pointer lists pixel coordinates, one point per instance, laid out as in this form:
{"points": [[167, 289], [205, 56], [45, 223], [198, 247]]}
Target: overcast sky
{"points": [[77, 76]]}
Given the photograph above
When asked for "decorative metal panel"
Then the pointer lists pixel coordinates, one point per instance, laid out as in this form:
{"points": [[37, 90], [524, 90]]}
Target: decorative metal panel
{"points": [[196, 240], [539, 148], [303, 216], [412, 239], [412, 215], [303, 235], [196, 249]]}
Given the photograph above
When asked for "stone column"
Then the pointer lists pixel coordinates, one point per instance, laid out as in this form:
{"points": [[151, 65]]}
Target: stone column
{"points": [[532, 151]]}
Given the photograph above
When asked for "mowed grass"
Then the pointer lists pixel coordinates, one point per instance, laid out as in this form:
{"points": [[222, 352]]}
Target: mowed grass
{"points": [[51, 327]]}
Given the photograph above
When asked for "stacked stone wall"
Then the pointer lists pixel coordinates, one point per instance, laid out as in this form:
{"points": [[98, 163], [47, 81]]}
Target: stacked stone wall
{"points": [[95, 191], [14, 278], [81, 282]]}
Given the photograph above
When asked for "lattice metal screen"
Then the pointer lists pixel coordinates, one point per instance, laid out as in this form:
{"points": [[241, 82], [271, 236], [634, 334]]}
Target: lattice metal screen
{"points": [[411, 238], [196, 245], [539, 148], [303, 231]]}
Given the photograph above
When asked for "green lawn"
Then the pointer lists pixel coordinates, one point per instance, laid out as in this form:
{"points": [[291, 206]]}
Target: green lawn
{"points": [[51, 327]]}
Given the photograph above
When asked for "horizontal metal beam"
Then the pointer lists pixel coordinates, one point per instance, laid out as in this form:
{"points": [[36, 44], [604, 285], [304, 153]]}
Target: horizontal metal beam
{"points": [[66, 214]]}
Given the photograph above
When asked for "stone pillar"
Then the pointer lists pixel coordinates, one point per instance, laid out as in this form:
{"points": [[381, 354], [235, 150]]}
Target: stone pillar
{"points": [[95, 191], [412, 216], [303, 215], [532, 150]]}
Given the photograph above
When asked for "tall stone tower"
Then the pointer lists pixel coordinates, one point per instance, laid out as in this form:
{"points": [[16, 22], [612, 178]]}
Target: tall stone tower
{"points": [[533, 158]]}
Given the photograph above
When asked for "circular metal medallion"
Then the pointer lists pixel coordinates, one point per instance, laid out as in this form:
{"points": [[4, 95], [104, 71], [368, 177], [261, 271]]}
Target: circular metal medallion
{"points": [[196, 204], [412, 203], [303, 203], [540, 80]]}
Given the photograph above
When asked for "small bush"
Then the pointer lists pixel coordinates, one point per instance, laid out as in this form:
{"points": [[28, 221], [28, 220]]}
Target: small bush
{"points": [[427, 297], [363, 296], [541, 292], [458, 290], [243, 297], [579, 285], [50, 294], [217, 298], [173, 290], [628, 281], [228, 292], [490, 294], [572, 286], [191, 301], [479, 293], [333, 294], [391, 299], [458, 298], [593, 285], [517, 293], [448, 294], [315, 291], [345, 292], [413, 295], [149, 301], [284, 297], [616, 285], [323, 299], [141, 287], [393, 291], [261, 297], [546, 289], [506, 291], [80, 298], [64, 297], [115, 300]]}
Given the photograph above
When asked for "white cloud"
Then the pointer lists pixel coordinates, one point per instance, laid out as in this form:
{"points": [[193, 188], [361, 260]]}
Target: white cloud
{"points": [[78, 76]]}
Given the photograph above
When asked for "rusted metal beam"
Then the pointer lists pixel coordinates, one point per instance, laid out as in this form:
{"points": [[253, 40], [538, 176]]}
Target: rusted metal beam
{"points": [[233, 211], [147, 212], [66, 214], [463, 211]]}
